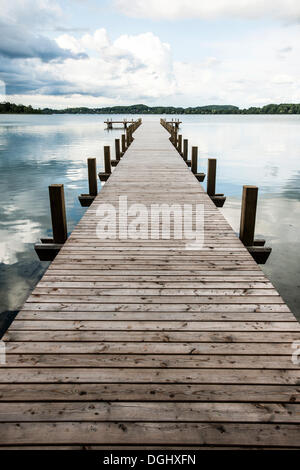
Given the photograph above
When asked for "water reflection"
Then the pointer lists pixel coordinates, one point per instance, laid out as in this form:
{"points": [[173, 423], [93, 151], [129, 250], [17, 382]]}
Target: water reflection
{"points": [[36, 151], [259, 150], [278, 221], [292, 187], [14, 236], [262, 151]]}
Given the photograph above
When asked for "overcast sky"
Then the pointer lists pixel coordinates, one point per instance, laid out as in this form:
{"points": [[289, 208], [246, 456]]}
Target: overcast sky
{"points": [[94, 53]]}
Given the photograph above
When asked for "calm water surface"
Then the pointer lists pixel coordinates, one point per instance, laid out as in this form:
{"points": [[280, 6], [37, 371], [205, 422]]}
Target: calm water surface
{"points": [[36, 151]]}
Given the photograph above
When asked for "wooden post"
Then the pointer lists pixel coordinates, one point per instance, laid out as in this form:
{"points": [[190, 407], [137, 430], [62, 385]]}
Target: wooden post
{"points": [[211, 176], [128, 137], [172, 138], [123, 143], [175, 137], [248, 215], [92, 172], [179, 146], [107, 165], [194, 164], [58, 213], [117, 148], [185, 150], [87, 199]]}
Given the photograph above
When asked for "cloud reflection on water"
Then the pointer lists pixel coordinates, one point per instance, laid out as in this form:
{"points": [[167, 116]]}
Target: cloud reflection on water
{"points": [[278, 222], [36, 151]]}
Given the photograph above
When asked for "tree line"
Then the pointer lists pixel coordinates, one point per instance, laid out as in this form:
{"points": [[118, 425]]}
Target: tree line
{"points": [[283, 108]]}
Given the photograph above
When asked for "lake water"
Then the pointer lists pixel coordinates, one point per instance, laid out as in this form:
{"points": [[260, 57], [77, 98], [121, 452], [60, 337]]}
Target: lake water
{"points": [[36, 151]]}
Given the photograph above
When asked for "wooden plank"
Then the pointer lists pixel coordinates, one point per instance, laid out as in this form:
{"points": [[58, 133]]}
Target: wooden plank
{"points": [[143, 343], [82, 283], [154, 326], [262, 434], [147, 375], [140, 307], [78, 290], [148, 348], [144, 411], [137, 361], [250, 274], [154, 336], [155, 316], [159, 299], [149, 392]]}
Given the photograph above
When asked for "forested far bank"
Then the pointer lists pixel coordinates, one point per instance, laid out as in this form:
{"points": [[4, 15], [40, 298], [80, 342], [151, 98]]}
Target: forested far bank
{"points": [[284, 108]]}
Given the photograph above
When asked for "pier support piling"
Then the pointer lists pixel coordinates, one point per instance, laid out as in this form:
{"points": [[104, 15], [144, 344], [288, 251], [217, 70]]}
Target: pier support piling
{"points": [[194, 165], [58, 213], [185, 149], [179, 144], [87, 199], [117, 149], [175, 137], [92, 174], [49, 247], [117, 153], [247, 226], [128, 139], [103, 176], [248, 214], [123, 140], [218, 199], [172, 137]]}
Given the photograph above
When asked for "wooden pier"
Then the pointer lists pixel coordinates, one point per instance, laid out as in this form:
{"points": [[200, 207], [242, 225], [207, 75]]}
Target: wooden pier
{"points": [[144, 344], [174, 123], [109, 123]]}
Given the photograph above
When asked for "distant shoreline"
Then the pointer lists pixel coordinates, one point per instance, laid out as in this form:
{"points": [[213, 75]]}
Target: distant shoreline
{"points": [[283, 108]]}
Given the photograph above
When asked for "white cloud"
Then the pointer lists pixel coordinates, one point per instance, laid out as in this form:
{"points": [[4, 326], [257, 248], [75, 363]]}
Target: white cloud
{"points": [[283, 79], [148, 49], [17, 42], [18, 21], [15, 237], [90, 69], [97, 41], [140, 68], [29, 12], [66, 41], [179, 9], [246, 72], [132, 67]]}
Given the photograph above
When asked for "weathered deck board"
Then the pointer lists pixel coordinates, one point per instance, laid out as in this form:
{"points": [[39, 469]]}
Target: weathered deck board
{"points": [[128, 343]]}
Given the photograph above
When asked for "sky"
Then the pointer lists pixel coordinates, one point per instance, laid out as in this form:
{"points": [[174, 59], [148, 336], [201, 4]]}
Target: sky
{"points": [[62, 53]]}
